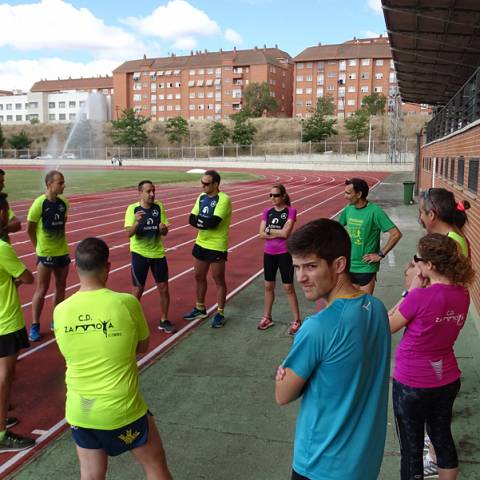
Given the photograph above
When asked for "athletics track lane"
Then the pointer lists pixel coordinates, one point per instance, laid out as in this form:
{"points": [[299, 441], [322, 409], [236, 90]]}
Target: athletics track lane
{"points": [[38, 393]]}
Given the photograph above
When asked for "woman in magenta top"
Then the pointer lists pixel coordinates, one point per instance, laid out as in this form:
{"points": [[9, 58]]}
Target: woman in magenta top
{"points": [[276, 226], [426, 377]]}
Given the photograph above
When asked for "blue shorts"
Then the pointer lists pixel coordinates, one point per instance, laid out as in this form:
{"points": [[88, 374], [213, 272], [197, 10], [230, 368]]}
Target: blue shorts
{"points": [[209, 256], [114, 442], [141, 265], [54, 262]]}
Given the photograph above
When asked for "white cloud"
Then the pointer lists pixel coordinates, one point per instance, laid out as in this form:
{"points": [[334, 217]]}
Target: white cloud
{"points": [[22, 74], [54, 24], [376, 6], [177, 21], [232, 36]]}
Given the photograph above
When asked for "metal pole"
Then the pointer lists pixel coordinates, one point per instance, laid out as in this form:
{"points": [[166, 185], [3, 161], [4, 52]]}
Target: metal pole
{"points": [[325, 147], [236, 148], [310, 148], [369, 138], [251, 150], [223, 151]]}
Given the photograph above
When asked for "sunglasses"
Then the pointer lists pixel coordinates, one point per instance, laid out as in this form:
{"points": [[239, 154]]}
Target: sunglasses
{"points": [[427, 195], [206, 184], [275, 195], [418, 259]]}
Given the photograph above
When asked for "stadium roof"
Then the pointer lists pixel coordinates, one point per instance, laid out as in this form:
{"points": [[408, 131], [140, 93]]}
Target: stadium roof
{"points": [[435, 46]]}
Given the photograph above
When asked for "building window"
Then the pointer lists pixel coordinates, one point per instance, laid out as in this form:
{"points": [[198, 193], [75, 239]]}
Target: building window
{"points": [[299, 91], [341, 91], [153, 99], [191, 107], [331, 88], [308, 78], [473, 175], [61, 104], [351, 102], [308, 91], [332, 74], [62, 116], [320, 66], [9, 118], [392, 77], [161, 96], [199, 83], [365, 62], [445, 172], [379, 62], [169, 108], [364, 89], [209, 94], [299, 78], [300, 66], [51, 105], [320, 79], [352, 62], [136, 76], [72, 116], [18, 106], [30, 105], [342, 65], [191, 83], [137, 97], [209, 71], [153, 87], [352, 76], [378, 89], [191, 72], [72, 104], [178, 84], [378, 76], [460, 170], [201, 95], [351, 89], [178, 96], [209, 82], [364, 75], [452, 169], [320, 92]]}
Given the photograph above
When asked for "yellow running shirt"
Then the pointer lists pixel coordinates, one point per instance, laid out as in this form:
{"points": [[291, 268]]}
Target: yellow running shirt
{"points": [[207, 207], [11, 317], [50, 218], [97, 332], [147, 241]]}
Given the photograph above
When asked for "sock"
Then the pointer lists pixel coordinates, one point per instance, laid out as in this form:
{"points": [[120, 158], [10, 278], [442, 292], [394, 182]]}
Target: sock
{"points": [[221, 311], [2, 434], [200, 306]]}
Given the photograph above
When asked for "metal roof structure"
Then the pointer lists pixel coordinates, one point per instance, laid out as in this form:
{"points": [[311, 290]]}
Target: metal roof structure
{"points": [[435, 46]]}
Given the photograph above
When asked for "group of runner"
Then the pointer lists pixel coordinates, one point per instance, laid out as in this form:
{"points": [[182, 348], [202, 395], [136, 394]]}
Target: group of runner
{"points": [[339, 361]]}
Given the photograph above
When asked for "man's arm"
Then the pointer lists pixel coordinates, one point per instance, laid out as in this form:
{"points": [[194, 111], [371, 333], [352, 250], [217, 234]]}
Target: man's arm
{"points": [[26, 277], [132, 229], [288, 385], [14, 225], [32, 232], [204, 223], [394, 235]]}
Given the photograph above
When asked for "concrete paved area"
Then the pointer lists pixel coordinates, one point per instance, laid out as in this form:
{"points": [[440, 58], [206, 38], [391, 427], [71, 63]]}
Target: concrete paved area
{"points": [[212, 394]]}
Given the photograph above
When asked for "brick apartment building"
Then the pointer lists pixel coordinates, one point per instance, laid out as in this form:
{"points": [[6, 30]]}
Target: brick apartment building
{"points": [[202, 85], [347, 72]]}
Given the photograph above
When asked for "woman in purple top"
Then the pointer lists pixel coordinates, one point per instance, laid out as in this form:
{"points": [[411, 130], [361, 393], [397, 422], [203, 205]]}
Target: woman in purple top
{"points": [[426, 377], [276, 226]]}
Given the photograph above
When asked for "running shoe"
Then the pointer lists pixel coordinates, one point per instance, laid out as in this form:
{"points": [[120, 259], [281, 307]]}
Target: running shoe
{"points": [[14, 443], [218, 321], [195, 314], [430, 469], [11, 422], [294, 327], [166, 326], [265, 322], [34, 334]]}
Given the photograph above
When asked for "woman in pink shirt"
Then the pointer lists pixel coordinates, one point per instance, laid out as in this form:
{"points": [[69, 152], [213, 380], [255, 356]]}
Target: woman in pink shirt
{"points": [[276, 226], [426, 377]]}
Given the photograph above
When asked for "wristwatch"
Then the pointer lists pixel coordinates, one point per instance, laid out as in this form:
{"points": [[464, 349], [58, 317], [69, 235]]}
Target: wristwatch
{"points": [[267, 230], [381, 254]]}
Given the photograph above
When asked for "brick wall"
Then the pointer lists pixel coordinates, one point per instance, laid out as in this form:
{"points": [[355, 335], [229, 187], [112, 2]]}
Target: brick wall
{"points": [[436, 162]]}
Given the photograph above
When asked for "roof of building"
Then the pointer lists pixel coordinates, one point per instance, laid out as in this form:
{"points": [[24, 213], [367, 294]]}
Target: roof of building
{"points": [[256, 56], [6, 92], [435, 46], [72, 84], [356, 48]]}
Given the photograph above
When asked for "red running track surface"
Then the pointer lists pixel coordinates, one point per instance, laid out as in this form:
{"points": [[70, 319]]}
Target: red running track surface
{"points": [[38, 393]]}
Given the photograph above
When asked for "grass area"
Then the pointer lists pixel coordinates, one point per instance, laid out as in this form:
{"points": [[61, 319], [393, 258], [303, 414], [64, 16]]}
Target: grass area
{"points": [[27, 184]]}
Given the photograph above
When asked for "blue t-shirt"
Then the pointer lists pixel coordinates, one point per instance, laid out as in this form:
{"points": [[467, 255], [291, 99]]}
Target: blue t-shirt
{"points": [[343, 353]]}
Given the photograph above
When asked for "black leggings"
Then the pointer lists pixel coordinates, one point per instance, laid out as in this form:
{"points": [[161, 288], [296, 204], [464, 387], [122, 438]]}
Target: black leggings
{"points": [[297, 476], [416, 407]]}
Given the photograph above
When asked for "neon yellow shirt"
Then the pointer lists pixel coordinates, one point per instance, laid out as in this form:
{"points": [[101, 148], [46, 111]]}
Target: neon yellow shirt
{"points": [[220, 206], [147, 241], [97, 332], [50, 218], [462, 243], [11, 317]]}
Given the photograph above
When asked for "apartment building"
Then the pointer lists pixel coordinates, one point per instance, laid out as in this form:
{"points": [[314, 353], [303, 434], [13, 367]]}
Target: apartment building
{"points": [[347, 72], [202, 85], [59, 101]]}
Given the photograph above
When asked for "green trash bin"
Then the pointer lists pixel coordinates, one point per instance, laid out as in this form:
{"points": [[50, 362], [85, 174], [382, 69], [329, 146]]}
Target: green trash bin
{"points": [[408, 192]]}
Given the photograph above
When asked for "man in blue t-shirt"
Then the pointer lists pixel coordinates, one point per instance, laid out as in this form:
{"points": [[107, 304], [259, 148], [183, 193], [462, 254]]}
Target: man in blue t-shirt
{"points": [[339, 363]]}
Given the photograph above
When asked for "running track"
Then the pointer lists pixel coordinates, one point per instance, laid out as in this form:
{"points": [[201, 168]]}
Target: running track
{"points": [[38, 392]]}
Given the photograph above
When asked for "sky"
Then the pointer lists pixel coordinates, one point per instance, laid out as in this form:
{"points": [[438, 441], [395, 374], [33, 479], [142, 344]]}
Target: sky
{"points": [[48, 39]]}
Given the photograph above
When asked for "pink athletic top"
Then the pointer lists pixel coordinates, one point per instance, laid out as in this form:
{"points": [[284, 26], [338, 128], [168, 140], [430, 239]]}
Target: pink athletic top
{"points": [[425, 356], [276, 220]]}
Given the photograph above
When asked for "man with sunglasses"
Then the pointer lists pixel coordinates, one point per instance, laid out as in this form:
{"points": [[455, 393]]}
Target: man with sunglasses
{"points": [[211, 215], [365, 222]]}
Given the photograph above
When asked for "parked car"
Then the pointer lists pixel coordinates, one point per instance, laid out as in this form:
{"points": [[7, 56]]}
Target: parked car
{"points": [[47, 156], [68, 156]]}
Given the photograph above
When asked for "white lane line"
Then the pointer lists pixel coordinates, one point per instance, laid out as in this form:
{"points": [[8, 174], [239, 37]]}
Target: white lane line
{"points": [[39, 432]]}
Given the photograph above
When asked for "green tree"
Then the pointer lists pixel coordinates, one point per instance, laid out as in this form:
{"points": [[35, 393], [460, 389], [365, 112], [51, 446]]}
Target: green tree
{"points": [[374, 103], [357, 124], [177, 130], [318, 127], [243, 132], [219, 134], [257, 99], [129, 129], [2, 137], [34, 121], [20, 141]]}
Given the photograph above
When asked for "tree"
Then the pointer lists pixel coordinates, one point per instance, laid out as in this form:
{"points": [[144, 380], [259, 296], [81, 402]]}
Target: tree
{"points": [[257, 99], [20, 141], [219, 134], [129, 129], [2, 137], [357, 124], [374, 103], [177, 130], [318, 127], [243, 132]]}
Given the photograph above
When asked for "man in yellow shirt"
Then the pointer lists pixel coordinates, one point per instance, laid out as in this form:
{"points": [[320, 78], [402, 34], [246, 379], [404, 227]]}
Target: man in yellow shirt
{"points": [[46, 228], [146, 223], [211, 215], [13, 225], [99, 332], [13, 336]]}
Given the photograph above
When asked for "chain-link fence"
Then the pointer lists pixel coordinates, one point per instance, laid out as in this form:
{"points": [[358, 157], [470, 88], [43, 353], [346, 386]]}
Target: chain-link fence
{"points": [[375, 151]]}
